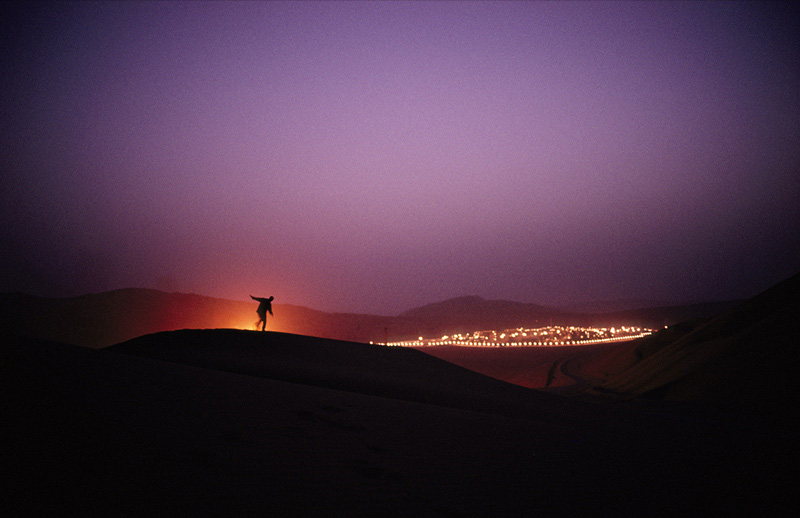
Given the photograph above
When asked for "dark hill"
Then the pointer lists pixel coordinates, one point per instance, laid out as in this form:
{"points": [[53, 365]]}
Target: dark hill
{"points": [[103, 319], [613, 306], [465, 314], [747, 357], [659, 316]]}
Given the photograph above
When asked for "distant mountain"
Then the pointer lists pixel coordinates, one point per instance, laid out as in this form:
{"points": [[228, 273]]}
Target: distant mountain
{"points": [[465, 314], [658, 317], [614, 306], [102, 319]]}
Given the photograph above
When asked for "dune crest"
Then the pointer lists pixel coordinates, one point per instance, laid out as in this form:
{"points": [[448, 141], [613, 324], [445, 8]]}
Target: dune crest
{"points": [[394, 372]]}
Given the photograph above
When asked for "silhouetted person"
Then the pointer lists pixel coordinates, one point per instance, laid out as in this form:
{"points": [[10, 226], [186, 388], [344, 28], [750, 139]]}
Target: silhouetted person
{"points": [[264, 306]]}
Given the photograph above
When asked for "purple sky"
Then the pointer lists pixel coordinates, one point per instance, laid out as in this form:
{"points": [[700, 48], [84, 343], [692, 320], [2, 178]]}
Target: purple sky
{"points": [[373, 157]]}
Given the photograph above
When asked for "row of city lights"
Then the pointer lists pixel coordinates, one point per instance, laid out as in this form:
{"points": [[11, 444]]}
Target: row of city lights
{"points": [[421, 342]]}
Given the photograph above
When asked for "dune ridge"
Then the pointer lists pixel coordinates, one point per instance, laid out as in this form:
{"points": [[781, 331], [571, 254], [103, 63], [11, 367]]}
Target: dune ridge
{"points": [[395, 372], [238, 422]]}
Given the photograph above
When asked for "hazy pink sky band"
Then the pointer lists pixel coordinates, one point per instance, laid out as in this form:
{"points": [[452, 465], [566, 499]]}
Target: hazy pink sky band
{"points": [[372, 157]]}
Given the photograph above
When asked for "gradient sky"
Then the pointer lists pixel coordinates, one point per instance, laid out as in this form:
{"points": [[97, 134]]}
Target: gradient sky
{"points": [[373, 157]]}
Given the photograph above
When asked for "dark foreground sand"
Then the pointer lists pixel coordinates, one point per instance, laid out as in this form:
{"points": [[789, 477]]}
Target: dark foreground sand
{"points": [[234, 422]]}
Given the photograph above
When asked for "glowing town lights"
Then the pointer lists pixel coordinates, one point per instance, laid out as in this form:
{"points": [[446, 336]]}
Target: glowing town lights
{"points": [[550, 336]]}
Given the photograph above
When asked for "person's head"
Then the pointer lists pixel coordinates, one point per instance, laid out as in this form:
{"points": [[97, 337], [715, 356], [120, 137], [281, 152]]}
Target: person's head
{"points": [[270, 299]]}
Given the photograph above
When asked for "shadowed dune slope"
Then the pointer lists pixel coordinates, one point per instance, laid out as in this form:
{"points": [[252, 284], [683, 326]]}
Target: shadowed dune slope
{"points": [[394, 372], [747, 357], [231, 423]]}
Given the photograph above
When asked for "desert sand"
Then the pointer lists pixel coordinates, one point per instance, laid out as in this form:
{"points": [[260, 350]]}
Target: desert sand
{"points": [[229, 422]]}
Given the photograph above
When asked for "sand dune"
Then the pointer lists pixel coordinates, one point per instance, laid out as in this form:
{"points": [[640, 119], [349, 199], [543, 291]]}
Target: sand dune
{"points": [[746, 358], [394, 372], [230, 422], [743, 361]]}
